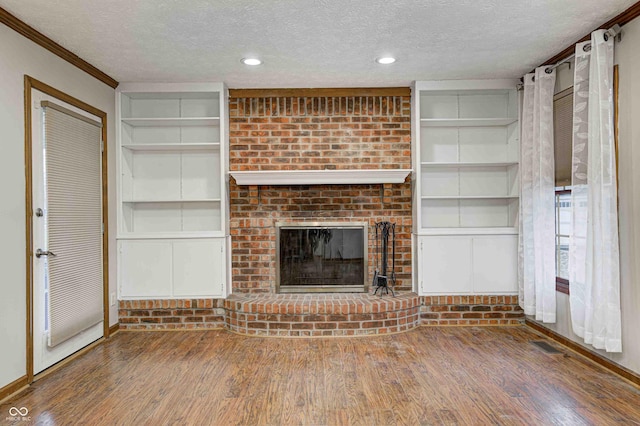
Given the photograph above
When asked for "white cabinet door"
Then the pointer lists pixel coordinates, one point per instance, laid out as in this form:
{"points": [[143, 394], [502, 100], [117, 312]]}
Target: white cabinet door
{"points": [[198, 268], [465, 264], [164, 269], [445, 265], [495, 264], [145, 268]]}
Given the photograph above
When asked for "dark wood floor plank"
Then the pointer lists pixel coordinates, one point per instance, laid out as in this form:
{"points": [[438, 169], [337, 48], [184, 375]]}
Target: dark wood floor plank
{"points": [[448, 375]]}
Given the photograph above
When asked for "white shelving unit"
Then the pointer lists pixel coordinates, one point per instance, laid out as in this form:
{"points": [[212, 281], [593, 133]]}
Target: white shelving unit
{"points": [[466, 183], [172, 170]]}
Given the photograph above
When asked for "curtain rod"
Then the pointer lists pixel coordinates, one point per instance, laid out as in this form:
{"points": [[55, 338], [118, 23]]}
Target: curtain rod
{"points": [[615, 31]]}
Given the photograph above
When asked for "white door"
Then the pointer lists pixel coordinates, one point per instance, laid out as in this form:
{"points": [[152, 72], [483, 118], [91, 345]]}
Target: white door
{"points": [[65, 254]]}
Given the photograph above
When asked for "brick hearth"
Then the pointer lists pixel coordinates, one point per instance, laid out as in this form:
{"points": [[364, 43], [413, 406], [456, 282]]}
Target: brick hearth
{"points": [[319, 314]]}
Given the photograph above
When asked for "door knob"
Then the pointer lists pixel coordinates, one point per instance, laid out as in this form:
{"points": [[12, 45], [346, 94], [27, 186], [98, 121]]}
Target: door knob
{"points": [[41, 252]]}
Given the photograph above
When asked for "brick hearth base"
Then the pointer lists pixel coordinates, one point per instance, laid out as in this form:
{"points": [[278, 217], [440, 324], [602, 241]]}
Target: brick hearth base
{"points": [[322, 315], [290, 315]]}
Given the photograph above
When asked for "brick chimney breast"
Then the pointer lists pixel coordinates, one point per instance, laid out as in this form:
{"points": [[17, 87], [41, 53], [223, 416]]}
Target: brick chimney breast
{"points": [[315, 133]]}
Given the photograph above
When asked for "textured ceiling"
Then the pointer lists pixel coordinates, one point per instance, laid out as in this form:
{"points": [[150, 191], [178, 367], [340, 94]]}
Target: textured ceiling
{"points": [[314, 43]]}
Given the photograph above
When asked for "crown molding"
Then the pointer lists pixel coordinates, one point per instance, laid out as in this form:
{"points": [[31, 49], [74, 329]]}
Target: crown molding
{"points": [[42, 40], [624, 18]]}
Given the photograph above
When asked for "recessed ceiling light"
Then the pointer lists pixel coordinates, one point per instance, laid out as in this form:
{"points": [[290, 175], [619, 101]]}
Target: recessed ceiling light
{"points": [[385, 60], [251, 61]]}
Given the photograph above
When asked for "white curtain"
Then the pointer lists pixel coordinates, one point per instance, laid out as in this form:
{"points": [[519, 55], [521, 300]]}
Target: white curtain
{"points": [[594, 271], [537, 280]]}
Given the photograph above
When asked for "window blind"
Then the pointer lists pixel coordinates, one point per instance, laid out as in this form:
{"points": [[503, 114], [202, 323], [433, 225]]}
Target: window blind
{"points": [[73, 180], [562, 135]]}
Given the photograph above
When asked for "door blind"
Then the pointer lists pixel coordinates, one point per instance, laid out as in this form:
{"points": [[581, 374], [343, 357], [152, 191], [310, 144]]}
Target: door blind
{"points": [[73, 181]]}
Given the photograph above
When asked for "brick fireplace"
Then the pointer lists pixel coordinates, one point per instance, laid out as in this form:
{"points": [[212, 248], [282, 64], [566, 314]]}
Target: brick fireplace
{"points": [[315, 133]]}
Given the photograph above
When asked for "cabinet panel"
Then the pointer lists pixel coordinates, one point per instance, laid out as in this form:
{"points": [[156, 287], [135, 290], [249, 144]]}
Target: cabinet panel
{"points": [[154, 218], [483, 144], [440, 213], [484, 105], [468, 264], [200, 108], [434, 106], [485, 213], [198, 268], [201, 217], [149, 135], [155, 175], [145, 268], [172, 268], [170, 105], [199, 134], [198, 177], [445, 266], [489, 181], [440, 181], [439, 144], [495, 264], [154, 108]]}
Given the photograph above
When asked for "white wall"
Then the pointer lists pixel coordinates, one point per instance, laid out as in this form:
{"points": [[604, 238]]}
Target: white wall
{"points": [[628, 61], [19, 56]]}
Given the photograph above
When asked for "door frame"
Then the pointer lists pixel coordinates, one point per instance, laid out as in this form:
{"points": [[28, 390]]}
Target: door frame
{"points": [[29, 84]]}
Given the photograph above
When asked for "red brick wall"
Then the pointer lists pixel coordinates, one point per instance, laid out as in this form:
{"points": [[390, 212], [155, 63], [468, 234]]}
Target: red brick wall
{"points": [[164, 314], [470, 310], [288, 133]]}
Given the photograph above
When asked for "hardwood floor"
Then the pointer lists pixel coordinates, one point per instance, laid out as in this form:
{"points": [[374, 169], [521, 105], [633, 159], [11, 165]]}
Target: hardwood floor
{"points": [[465, 375]]}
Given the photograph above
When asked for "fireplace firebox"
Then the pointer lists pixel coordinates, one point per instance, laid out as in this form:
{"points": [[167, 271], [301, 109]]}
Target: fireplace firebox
{"points": [[321, 257]]}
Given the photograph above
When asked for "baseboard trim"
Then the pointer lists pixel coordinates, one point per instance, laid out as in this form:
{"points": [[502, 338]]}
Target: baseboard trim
{"points": [[114, 328], [591, 355], [13, 388]]}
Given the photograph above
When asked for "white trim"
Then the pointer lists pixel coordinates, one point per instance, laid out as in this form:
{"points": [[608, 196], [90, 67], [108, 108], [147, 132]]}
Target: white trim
{"points": [[320, 177]]}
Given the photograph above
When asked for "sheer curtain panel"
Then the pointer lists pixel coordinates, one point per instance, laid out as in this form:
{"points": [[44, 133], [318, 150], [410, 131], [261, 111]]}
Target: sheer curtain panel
{"points": [[594, 271], [537, 206]]}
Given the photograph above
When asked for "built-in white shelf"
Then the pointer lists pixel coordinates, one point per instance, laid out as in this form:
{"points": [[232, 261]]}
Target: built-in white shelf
{"points": [[172, 159], [466, 153], [469, 164], [466, 122], [503, 230], [173, 147], [320, 177], [172, 121], [173, 227]]}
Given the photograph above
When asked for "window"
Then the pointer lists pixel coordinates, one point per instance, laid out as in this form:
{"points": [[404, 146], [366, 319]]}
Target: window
{"points": [[563, 135], [563, 229]]}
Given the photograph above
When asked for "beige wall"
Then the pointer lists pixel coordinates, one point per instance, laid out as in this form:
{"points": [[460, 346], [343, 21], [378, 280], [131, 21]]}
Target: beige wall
{"points": [[628, 60], [19, 56]]}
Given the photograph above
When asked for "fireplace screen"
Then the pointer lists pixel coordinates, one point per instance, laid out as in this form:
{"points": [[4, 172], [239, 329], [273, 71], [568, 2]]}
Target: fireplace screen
{"points": [[321, 257]]}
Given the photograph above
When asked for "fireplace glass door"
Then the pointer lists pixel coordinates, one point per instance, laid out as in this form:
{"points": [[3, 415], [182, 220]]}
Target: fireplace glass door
{"points": [[321, 258]]}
